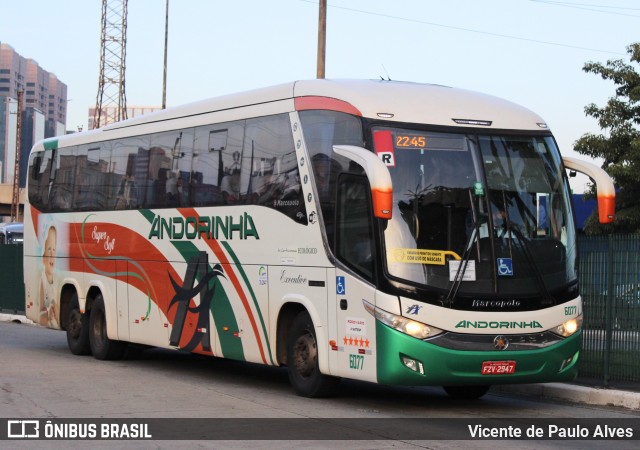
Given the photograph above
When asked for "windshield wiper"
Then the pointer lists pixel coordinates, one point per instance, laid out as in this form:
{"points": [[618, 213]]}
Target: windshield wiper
{"points": [[466, 255], [515, 231]]}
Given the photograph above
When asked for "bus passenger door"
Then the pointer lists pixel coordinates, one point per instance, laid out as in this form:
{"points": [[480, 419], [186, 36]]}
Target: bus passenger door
{"points": [[355, 328], [147, 324], [240, 310], [354, 247]]}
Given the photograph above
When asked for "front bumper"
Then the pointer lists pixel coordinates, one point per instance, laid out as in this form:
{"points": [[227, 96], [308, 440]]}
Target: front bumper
{"points": [[447, 367]]}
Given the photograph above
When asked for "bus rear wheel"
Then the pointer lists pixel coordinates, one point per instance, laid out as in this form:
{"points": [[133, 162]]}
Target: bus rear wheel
{"points": [[102, 347], [302, 360], [77, 329], [466, 392]]}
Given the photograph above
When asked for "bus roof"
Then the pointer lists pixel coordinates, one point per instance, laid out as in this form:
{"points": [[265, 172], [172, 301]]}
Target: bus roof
{"points": [[424, 103], [376, 99]]}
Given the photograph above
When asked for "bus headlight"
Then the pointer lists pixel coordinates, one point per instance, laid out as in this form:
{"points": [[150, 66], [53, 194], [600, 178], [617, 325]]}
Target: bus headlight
{"points": [[413, 328], [569, 327]]}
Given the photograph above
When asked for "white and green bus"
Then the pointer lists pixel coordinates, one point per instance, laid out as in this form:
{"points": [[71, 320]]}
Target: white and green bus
{"points": [[397, 233]]}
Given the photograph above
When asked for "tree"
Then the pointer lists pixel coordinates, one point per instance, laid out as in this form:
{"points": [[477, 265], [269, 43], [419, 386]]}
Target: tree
{"points": [[619, 146]]}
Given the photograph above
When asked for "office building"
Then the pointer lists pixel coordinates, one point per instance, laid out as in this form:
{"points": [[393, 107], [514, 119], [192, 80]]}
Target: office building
{"points": [[44, 109]]}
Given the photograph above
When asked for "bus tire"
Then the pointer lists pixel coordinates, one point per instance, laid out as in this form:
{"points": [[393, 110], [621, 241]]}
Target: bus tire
{"points": [[466, 392], [77, 329], [302, 360], [102, 347]]}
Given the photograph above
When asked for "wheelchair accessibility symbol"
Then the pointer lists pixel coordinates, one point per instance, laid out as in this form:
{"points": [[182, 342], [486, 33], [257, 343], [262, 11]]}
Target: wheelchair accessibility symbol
{"points": [[505, 267], [340, 287]]}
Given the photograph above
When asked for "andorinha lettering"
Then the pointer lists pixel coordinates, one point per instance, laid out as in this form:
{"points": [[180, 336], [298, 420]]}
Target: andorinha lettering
{"points": [[485, 324], [203, 227]]}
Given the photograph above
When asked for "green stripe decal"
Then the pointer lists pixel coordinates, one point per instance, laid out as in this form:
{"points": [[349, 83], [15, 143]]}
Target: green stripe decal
{"points": [[253, 295], [221, 309], [50, 144], [148, 214]]}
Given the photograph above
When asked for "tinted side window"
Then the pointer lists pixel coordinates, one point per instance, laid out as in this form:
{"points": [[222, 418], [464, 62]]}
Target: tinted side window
{"points": [[217, 155], [37, 167], [322, 130], [62, 179], [92, 176], [209, 165], [270, 175], [354, 240], [129, 168], [169, 169]]}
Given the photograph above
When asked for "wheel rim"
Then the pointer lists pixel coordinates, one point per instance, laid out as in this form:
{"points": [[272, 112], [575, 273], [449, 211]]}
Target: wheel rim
{"points": [[305, 355], [99, 331], [75, 324]]}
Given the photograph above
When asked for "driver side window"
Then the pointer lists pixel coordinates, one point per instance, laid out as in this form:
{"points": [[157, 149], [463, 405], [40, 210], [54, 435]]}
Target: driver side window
{"points": [[354, 240]]}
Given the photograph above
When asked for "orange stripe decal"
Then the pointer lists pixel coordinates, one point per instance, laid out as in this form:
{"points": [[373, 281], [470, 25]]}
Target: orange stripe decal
{"points": [[219, 253], [327, 103]]}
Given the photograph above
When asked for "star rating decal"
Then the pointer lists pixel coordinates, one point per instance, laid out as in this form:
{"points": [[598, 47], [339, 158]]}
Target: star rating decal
{"points": [[356, 341]]}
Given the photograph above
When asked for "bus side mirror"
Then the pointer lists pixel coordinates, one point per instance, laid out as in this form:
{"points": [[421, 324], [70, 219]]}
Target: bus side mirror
{"points": [[378, 175], [604, 186]]}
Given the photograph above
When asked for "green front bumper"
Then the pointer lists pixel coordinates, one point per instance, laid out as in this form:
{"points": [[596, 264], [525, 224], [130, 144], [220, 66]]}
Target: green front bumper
{"points": [[444, 366]]}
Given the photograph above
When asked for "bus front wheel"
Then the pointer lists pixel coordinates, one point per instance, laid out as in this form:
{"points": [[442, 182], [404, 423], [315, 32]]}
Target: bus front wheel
{"points": [[302, 360], [102, 347], [77, 329]]}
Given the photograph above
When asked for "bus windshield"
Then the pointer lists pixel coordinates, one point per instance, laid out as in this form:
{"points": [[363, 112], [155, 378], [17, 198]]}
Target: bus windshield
{"points": [[477, 214]]}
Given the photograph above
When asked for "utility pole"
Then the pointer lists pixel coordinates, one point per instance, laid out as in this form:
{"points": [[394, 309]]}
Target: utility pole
{"points": [[164, 73], [322, 37], [15, 201]]}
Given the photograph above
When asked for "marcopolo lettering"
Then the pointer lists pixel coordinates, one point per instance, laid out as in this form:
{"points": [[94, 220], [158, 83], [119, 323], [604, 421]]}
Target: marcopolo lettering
{"points": [[484, 324], [204, 227], [495, 303], [283, 203]]}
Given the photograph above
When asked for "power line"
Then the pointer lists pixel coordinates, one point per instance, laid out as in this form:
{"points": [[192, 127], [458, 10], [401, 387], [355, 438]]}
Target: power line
{"points": [[587, 4], [467, 30], [590, 7]]}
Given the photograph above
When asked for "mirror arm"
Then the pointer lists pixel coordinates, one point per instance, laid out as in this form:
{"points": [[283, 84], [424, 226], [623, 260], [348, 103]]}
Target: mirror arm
{"points": [[378, 175], [604, 186]]}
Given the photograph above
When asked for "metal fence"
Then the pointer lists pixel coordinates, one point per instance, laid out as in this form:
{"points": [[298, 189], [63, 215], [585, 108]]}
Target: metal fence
{"points": [[11, 279], [610, 288]]}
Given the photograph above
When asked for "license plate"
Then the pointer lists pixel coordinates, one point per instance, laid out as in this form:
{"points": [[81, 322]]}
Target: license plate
{"points": [[498, 367]]}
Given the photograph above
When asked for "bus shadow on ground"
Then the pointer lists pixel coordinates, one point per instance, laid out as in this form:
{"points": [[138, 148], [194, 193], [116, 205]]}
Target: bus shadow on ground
{"points": [[241, 373], [365, 396]]}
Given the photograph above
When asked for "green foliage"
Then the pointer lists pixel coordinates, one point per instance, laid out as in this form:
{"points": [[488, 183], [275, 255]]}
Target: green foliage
{"points": [[619, 145]]}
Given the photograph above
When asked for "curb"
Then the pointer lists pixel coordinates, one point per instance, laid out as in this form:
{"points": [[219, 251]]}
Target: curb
{"points": [[15, 318], [576, 394]]}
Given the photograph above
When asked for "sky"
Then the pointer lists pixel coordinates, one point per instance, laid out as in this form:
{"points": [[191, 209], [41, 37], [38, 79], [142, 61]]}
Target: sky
{"points": [[530, 52]]}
